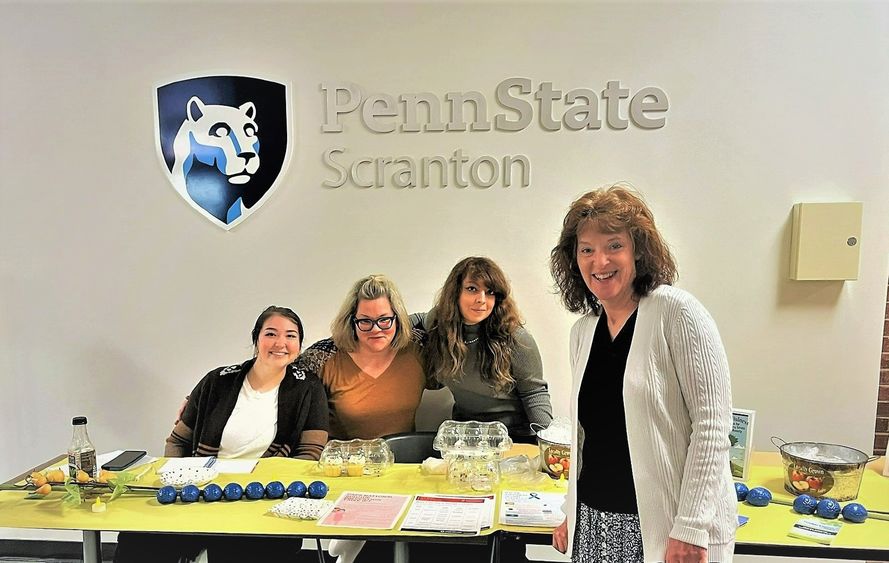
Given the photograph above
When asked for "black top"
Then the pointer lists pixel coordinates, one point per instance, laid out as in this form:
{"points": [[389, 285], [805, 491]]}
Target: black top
{"points": [[606, 477], [302, 405]]}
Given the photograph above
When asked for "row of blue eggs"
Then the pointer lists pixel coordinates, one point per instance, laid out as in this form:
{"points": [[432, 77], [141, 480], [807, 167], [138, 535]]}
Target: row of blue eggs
{"points": [[829, 508], [234, 491], [804, 504]]}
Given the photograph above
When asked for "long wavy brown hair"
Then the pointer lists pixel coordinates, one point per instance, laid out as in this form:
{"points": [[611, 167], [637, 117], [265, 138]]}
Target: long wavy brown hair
{"points": [[612, 209], [445, 352]]}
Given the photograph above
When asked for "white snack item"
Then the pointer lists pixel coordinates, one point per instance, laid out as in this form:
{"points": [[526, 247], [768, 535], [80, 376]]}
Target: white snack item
{"points": [[434, 466], [300, 508], [188, 476]]}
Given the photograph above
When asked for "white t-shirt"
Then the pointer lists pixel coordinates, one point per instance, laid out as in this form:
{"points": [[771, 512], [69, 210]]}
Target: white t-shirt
{"points": [[252, 425]]}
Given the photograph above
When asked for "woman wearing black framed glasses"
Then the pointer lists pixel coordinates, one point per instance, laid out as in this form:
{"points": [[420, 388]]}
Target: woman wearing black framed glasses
{"points": [[371, 365]]}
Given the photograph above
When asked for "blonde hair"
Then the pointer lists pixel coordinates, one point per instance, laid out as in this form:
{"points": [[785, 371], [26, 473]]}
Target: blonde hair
{"points": [[368, 288], [612, 209]]}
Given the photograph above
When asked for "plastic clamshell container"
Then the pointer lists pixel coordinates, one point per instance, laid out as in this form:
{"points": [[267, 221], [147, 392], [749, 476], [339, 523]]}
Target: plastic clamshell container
{"points": [[472, 451], [354, 458], [472, 437]]}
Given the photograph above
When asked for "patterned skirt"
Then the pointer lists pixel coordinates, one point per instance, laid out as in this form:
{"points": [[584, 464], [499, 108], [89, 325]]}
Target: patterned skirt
{"points": [[606, 537]]}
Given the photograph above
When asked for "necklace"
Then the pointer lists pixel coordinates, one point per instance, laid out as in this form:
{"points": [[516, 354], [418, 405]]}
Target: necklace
{"points": [[473, 341]]}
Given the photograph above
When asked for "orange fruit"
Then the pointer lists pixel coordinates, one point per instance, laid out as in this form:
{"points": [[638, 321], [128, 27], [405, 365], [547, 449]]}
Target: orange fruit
{"points": [[82, 476], [104, 475], [43, 489], [38, 479]]}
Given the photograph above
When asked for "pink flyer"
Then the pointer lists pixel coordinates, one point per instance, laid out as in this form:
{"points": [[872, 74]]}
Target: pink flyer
{"points": [[366, 510]]}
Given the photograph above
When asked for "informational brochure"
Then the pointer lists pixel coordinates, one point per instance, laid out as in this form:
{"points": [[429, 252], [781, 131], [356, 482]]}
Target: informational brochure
{"points": [[376, 511], [521, 508], [487, 515], [741, 441], [821, 531], [446, 514]]}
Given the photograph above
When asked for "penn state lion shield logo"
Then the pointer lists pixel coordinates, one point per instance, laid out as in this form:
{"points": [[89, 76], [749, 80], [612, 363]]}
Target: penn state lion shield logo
{"points": [[224, 142]]}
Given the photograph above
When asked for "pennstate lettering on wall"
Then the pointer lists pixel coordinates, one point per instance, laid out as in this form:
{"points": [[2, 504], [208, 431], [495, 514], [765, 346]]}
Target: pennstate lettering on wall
{"points": [[383, 113], [517, 102]]}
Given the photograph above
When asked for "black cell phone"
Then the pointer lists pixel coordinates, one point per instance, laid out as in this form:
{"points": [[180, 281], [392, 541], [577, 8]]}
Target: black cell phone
{"points": [[124, 460]]}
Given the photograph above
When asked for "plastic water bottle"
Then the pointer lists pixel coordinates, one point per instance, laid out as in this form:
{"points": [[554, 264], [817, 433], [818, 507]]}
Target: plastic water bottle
{"points": [[81, 452]]}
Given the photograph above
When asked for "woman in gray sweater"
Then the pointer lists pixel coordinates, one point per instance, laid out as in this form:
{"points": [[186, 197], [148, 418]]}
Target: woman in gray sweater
{"points": [[477, 346]]}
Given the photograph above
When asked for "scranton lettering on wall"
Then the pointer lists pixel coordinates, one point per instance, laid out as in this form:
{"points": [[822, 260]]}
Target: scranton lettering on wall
{"points": [[516, 105]]}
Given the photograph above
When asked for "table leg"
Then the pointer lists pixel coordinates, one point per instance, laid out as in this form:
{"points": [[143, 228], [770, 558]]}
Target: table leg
{"points": [[92, 546], [495, 547], [401, 552]]}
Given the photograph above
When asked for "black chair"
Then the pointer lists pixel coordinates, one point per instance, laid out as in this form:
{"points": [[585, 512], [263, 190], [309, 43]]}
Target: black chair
{"points": [[412, 447]]}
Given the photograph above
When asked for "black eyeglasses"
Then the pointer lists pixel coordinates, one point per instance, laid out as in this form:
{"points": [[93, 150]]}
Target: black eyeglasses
{"points": [[367, 325]]}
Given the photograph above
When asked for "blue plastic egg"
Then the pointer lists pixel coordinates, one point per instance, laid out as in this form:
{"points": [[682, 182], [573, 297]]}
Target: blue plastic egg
{"points": [[759, 496], [805, 504], [233, 491], [166, 495], [828, 508], [296, 489], [254, 490], [212, 492], [317, 489], [275, 489], [854, 512], [190, 493], [741, 490]]}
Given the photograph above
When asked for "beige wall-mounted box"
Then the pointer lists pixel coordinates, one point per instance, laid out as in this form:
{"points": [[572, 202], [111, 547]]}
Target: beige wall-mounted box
{"points": [[825, 241]]}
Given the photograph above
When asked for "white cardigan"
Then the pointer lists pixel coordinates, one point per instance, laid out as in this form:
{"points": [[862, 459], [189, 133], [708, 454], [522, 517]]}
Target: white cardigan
{"points": [[677, 400]]}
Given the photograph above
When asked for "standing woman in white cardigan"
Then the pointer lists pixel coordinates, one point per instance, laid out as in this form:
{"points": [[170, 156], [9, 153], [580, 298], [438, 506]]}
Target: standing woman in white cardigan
{"points": [[651, 396]]}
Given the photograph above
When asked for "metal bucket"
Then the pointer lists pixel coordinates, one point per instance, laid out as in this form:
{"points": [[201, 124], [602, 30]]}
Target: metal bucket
{"points": [[822, 470], [555, 458]]}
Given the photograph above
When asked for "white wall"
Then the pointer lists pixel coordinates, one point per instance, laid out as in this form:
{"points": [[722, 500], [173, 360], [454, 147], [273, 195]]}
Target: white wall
{"points": [[115, 296]]}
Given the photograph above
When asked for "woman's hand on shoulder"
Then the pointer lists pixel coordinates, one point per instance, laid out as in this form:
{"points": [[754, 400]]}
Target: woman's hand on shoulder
{"points": [[681, 552], [181, 410]]}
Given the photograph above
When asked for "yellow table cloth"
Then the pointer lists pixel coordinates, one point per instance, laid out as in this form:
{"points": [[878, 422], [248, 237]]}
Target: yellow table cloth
{"points": [[140, 511], [770, 524]]}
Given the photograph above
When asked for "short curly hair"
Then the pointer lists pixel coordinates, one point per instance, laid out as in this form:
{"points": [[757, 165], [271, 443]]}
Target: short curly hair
{"points": [[612, 209]]}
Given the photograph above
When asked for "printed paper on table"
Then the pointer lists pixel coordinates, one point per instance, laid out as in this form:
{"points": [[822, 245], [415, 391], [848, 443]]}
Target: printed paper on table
{"points": [[487, 514], [519, 508], [821, 531], [445, 514], [377, 511]]}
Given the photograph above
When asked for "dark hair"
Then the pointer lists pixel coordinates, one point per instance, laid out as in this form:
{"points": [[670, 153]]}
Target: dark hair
{"points": [[445, 351], [613, 209], [281, 312]]}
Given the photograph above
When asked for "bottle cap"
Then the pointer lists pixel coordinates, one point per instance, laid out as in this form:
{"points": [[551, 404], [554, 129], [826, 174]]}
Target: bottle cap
{"points": [[79, 420]]}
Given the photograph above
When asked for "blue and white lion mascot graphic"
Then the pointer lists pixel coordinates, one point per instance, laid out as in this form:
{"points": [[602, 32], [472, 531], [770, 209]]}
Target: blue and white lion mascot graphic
{"points": [[214, 140], [208, 131]]}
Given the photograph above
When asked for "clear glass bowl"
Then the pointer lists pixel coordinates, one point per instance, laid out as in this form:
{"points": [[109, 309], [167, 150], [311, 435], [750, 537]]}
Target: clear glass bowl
{"points": [[354, 458]]}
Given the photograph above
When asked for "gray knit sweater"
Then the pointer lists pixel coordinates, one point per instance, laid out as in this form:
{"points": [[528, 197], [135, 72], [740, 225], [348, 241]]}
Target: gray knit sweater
{"points": [[474, 399]]}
